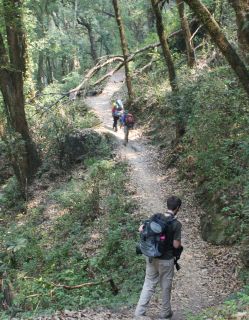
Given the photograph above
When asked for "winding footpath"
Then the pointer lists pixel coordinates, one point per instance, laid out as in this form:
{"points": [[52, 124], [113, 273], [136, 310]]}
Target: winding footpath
{"points": [[208, 273]]}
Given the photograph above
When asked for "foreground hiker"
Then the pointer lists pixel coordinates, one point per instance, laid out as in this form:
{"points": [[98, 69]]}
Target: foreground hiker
{"points": [[160, 256]]}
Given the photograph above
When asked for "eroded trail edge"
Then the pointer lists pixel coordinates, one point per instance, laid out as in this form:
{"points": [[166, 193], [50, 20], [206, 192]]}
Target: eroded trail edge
{"points": [[208, 273]]}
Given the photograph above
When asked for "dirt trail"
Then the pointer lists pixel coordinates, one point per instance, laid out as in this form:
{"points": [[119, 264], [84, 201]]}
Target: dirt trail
{"points": [[208, 273]]}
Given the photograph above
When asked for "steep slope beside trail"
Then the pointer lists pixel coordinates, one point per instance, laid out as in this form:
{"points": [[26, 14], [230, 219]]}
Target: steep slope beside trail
{"points": [[208, 273]]}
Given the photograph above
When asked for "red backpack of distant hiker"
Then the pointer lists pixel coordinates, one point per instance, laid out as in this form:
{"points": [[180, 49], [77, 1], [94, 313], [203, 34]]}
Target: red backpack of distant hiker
{"points": [[129, 120]]}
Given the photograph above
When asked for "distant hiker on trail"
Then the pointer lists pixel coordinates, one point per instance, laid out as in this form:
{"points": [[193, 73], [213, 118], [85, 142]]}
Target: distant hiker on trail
{"points": [[117, 108], [160, 258], [128, 122]]}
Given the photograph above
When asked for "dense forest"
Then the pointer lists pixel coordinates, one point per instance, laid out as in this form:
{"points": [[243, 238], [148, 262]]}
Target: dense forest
{"points": [[72, 195]]}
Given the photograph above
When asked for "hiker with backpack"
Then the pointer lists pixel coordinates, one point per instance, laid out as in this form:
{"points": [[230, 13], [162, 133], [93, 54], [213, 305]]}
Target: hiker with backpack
{"points": [[160, 242], [117, 108], [128, 122]]}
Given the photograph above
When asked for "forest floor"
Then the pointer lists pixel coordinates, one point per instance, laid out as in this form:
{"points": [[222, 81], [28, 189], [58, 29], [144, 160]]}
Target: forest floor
{"points": [[208, 273]]}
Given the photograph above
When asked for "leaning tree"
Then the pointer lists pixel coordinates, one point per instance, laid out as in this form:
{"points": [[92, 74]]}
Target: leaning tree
{"points": [[124, 46], [221, 41]]}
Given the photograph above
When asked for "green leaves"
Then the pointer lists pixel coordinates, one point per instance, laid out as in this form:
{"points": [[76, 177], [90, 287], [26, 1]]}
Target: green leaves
{"points": [[17, 245], [235, 307], [216, 145], [82, 245]]}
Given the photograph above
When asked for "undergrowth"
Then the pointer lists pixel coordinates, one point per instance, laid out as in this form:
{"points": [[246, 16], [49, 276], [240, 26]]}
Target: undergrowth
{"points": [[53, 117], [236, 307], [213, 154], [91, 240], [82, 231]]}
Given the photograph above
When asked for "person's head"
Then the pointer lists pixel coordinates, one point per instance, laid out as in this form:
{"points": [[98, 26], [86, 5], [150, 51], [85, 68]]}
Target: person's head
{"points": [[174, 203]]}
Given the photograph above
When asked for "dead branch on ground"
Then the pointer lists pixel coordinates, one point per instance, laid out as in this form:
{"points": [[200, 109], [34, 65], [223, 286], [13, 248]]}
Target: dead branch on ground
{"points": [[114, 288]]}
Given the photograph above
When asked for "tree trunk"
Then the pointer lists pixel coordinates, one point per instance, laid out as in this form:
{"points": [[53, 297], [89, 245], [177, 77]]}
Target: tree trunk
{"points": [[241, 8], [150, 19], [221, 41], [108, 51], [75, 14], [165, 47], [180, 127], [40, 72], [64, 68], [91, 36], [124, 48], [187, 34], [92, 43], [24, 158], [74, 63], [50, 76]]}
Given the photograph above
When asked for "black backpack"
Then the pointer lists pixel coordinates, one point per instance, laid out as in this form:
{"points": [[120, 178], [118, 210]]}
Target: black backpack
{"points": [[154, 235]]}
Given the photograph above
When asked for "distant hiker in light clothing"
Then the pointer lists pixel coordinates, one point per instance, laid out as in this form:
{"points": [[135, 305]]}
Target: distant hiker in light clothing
{"points": [[161, 269], [127, 120], [117, 108]]}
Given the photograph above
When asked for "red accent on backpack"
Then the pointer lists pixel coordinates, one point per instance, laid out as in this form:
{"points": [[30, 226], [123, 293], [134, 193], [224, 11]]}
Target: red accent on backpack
{"points": [[129, 120]]}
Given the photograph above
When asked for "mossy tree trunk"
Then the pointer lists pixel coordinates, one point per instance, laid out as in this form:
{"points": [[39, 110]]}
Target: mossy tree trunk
{"points": [[187, 34], [156, 5], [241, 8], [24, 156], [125, 50], [164, 44], [221, 41]]}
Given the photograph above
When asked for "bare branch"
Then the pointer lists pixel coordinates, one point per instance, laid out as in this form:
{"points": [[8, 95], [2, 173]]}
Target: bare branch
{"points": [[193, 35], [109, 14], [109, 74], [83, 22], [90, 74], [146, 67], [89, 284]]}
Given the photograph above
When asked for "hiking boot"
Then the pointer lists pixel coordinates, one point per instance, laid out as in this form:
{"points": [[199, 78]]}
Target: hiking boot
{"points": [[140, 315], [163, 316]]}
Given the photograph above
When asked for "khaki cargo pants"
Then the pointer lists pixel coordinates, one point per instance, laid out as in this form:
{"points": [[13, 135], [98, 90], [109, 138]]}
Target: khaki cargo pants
{"points": [[161, 271]]}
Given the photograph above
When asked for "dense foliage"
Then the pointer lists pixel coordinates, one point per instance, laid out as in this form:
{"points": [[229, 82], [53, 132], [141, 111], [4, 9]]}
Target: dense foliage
{"points": [[54, 46], [89, 239]]}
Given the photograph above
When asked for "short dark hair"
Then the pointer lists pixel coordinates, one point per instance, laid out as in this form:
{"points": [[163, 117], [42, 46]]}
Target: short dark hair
{"points": [[173, 203]]}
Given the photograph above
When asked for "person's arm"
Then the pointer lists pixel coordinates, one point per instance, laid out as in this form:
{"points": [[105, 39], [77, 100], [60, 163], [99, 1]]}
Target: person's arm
{"points": [[177, 236], [177, 244]]}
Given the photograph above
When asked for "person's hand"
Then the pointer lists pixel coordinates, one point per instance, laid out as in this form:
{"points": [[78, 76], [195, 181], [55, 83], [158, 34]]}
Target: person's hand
{"points": [[141, 228]]}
